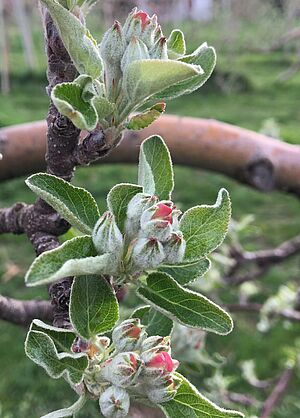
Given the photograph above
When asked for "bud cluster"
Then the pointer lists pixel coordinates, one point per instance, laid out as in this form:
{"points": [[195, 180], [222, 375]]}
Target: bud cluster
{"points": [[133, 364], [154, 232], [151, 237]]}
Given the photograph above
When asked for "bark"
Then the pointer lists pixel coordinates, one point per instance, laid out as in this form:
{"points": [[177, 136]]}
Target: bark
{"points": [[262, 162], [23, 312]]}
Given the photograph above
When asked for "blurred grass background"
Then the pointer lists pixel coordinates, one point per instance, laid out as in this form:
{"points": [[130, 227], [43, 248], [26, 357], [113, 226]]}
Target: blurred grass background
{"points": [[244, 91]]}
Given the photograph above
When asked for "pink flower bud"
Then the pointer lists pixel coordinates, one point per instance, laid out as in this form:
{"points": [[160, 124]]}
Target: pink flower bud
{"points": [[163, 361], [123, 369], [144, 17], [164, 212], [154, 342], [147, 253], [129, 335]]}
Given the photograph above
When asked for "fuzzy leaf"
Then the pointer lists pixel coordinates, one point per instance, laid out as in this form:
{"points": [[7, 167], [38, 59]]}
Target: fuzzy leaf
{"points": [[182, 305], [204, 227], [68, 412], [62, 338], [144, 78], [118, 199], [187, 272], [155, 168], [74, 204], [188, 402], [75, 257], [77, 40], [176, 44], [103, 107], [205, 56], [68, 98], [41, 349], [155, 322], [94, 307], [142, 120]]}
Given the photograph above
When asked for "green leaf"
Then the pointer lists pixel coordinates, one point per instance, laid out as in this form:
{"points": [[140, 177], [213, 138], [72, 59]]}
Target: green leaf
{"points": [[155, 168], [118, 199], [68, 412], [189, 403], [75, 257], [205, 56], [94, 307], [104, 108], [144, 78], [74, 204], [182, 305], [142, 120], [41, 349], [155, 322], [68, 98], [187, 272], [62, 338], [204, 227], [79, 43], [176, 44]]}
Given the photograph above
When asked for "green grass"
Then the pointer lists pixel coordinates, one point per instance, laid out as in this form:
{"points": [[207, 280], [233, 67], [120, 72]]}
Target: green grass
{"points": [[25, 390]]}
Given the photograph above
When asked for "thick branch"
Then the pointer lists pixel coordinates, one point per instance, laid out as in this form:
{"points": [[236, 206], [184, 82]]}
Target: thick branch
{"points": [[277, 393], [23, 312], [262, 162]]}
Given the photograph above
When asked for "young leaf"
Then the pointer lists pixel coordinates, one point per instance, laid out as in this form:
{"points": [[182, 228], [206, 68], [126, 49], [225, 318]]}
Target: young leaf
{"points": [[176, 44], [187, 272], [182, 305], [79, 43], [68, 98], [155, 168], [75, 257], [94, 307], [155, 322], [74, 204], [103, 107], [41, 349], [142, 120], [118, 199], [62, 338], [144, 78], [205, 56], [204, 227], [188, 402], [68, 412]]}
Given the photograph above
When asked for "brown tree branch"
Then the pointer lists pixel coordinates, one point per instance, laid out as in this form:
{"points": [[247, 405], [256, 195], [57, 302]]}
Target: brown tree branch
{"points": [[277, 393], [262, 260], [21, 312], [291, 315], [257, 160]]}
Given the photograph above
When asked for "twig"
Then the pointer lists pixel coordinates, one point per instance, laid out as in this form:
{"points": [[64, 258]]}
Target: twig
{"points": [[289, 314], [263, 260], [23, 312], [277, 393]]}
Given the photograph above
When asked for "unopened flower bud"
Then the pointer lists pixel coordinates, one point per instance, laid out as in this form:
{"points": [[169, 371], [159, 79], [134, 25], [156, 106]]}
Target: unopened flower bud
{"points": [[113, 45], [158, 33], [175, 248], [147, 253], [158, 363], [114, 402], [160, 49], [136, 22], [135, 51], [106, 236], [129, 335], [137, 205], [165, 391], [155, 342], [123, 369], [148, 34], [157, 221]]}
